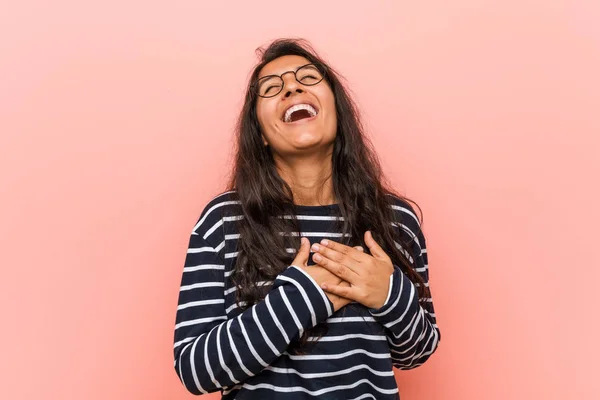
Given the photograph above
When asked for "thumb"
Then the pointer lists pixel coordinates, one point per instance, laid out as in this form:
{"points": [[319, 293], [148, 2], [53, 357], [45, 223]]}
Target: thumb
{"points": [[303, 253], [375, 249]]}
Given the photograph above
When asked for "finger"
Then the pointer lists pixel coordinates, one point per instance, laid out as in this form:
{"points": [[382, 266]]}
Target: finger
{"points": [[348, 256], [340, 270], [347, 250], [303, 253], [347, 292], [374, 247], [356, 253]]}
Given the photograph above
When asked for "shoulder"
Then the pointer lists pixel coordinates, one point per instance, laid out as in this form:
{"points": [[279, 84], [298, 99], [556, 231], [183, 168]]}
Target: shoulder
{"points": [[214, 210], [220, 203], [405, 215]]}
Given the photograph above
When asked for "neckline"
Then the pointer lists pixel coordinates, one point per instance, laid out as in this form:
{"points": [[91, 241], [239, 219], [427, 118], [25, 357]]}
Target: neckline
{"points": [[317, 206], [316, 209]]}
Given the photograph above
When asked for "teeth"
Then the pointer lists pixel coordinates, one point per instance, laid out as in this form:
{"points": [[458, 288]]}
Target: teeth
{"points": [[288, 114]]}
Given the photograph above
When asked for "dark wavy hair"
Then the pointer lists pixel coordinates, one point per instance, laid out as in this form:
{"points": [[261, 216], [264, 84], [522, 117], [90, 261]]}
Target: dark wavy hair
{"points": [[360, 188]]}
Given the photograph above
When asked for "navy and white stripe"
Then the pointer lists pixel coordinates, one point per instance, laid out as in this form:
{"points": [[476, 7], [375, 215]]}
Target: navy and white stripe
{"points": [[217, 347]]}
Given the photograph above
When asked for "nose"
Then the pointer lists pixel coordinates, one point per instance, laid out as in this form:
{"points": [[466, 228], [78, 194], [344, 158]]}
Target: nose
{"points": [[290, 84]]}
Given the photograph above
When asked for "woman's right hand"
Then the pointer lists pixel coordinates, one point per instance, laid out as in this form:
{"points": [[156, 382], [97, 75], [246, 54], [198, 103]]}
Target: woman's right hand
{"points": [[320, 275]]}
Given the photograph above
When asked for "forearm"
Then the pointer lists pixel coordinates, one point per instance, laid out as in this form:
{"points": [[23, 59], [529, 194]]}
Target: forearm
{"points": [[231, 351], [411, 329]]}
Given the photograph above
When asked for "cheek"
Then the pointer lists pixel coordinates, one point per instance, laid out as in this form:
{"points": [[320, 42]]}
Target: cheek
{"points": [[331, 114], [260, 113], [327, 99], [266, 115]]}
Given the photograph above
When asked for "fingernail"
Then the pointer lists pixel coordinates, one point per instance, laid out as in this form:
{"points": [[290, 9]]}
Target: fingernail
{"points": [[315, 247], [324, 242], [324, 286]]}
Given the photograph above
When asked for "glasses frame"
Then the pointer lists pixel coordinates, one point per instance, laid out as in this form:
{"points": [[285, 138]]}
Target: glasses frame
{"points": [[320, 67]]}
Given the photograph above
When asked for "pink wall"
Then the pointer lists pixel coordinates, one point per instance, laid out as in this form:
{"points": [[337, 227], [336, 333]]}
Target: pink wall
{"points": [[116, 123]]}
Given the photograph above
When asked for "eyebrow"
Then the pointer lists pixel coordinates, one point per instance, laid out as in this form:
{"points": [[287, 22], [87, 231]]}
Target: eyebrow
{"points": [[293, 69]]}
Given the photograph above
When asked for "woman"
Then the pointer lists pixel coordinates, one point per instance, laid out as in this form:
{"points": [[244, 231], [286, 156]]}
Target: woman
{"points": [[262, 314]]}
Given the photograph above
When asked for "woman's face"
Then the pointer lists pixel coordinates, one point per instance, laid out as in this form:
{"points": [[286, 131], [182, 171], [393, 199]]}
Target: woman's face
{"points": [[291, 133]]}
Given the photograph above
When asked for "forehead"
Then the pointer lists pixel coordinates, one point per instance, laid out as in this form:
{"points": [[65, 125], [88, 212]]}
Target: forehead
{"points": [[283, 64]]}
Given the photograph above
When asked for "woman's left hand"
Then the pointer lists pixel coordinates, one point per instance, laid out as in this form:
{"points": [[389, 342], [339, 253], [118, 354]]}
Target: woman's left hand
{"points": [[368, 275]]}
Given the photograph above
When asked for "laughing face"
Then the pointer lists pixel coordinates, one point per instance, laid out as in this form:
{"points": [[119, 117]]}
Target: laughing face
{"points": [[301, 116]]}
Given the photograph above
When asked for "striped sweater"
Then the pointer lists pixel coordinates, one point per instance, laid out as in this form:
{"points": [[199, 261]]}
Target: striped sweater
{"points": [[244, 354]]}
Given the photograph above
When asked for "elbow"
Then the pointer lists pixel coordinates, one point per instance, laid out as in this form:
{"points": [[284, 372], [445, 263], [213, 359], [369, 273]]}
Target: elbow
{"points": [[419, 359], [189, 386], [415, 363], [194, 385]]}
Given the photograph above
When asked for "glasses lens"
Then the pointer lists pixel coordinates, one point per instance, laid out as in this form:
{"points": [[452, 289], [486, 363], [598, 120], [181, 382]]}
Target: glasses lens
{"points": [[269, 86], [309, 75]]}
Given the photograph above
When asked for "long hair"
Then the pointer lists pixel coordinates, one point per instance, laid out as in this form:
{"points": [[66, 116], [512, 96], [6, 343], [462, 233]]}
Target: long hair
{"points": [[360, 188]]}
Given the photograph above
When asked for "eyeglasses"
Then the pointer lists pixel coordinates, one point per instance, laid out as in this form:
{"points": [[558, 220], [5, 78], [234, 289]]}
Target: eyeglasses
{"points": [[271, 85]]}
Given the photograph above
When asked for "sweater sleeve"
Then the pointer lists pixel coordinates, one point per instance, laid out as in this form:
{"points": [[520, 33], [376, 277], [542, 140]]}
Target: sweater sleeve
{"points": [[410, 322], [211, 352]]}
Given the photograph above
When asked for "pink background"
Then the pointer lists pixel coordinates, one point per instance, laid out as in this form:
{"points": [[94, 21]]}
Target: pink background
{"points": [[116, 124]]}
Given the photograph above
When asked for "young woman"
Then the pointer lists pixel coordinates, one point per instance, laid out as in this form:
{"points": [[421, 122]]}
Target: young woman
{"points": [[308, 276]]}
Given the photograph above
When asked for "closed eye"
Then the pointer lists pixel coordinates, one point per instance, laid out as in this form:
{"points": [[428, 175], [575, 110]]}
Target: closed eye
{"points": [[270, 88]]}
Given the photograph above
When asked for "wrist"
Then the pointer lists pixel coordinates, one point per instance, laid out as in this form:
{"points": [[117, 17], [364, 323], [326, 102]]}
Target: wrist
{"points": [[388, 292]]}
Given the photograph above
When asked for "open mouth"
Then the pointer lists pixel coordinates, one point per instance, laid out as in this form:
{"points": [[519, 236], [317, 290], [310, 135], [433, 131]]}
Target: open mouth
{"points": [[299, 112]]}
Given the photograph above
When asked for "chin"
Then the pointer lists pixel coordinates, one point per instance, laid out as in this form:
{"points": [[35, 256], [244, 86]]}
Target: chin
{"points": [[308, 136], [309, 139]]}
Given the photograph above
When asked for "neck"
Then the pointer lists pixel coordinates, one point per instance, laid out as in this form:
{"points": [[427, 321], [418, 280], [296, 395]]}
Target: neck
{"points": [[310, 179]]}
